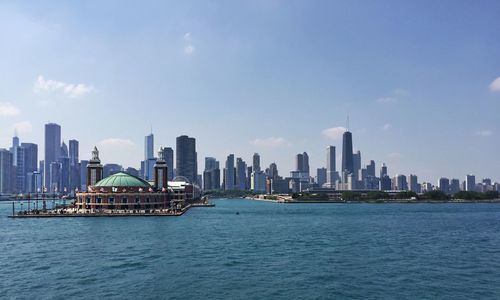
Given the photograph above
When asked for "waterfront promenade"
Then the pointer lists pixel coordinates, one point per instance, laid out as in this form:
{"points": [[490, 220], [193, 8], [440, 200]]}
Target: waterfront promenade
{"points": [[73, 212]]}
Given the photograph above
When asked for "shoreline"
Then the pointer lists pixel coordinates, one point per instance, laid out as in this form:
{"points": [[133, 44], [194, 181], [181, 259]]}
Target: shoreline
{"points": [[384, 201]]}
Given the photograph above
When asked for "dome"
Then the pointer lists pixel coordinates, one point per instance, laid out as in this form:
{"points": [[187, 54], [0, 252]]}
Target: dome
{"points": [[122, 179], [181, 179]]}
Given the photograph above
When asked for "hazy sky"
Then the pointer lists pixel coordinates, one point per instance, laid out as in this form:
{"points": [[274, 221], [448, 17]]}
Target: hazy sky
{"points": [[417, 79]]}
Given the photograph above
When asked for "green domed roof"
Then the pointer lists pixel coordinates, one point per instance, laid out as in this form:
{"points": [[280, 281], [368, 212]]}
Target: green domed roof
{"points": [[122, 179]]}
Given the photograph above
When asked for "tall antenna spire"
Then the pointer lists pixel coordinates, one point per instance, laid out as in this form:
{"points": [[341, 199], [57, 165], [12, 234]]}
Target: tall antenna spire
{"points": [[347, 123], [151, 128]]}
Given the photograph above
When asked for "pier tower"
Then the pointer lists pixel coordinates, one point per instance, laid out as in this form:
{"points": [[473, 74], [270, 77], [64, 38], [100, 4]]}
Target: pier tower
{"points": [[94, 168], [160, 171]]}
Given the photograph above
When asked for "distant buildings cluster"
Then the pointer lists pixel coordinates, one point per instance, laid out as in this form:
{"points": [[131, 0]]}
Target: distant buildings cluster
{"points": [[352, 175], [62, 171]]}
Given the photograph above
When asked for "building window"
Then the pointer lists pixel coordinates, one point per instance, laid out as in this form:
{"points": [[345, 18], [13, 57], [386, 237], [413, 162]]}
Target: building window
{"points": [[124, 200], [137, 200], [160, 178], [88, 200], [111, 200], [93, 177], [99, 200]]}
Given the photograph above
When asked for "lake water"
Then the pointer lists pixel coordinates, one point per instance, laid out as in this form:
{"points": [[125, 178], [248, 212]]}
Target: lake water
{"points": [[267, 251]]}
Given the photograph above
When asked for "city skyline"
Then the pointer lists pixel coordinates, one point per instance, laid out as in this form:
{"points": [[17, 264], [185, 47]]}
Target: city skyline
{"points": [[255, 157], [414, 96]]}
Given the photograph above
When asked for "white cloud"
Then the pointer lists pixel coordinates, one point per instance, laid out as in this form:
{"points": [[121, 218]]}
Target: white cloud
{"points": [[72, 90], [485, 133], [189, 49], [7, 109], [386, 127], [495, 85], [23, 127], [334, 133], [387, 100], [268, 142], [116, 142]]}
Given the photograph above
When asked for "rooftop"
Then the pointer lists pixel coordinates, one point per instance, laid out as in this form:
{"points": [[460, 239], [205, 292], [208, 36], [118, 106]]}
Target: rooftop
{"points": [[122, 179]]}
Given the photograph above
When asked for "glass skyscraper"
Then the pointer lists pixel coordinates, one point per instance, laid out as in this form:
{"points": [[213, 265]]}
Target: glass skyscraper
{"points": [[347, 155], [52, 150], [330, 166]]}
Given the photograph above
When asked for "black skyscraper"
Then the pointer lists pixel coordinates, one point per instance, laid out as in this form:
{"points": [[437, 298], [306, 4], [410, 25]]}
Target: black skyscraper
{"points": [[186, 162], [347, 157]]}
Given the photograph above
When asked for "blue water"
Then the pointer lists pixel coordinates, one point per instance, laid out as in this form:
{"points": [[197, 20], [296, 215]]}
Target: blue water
{"points": [[268, 251]]}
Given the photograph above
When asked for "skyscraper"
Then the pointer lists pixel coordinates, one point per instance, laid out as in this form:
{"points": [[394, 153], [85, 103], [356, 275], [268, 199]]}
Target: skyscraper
{"points": [[74, 165], [15, 140], [444, 185], [149, 159], [83, 174], [65, 174], [330, 166], [347, 155], [356, 162], [229, 174], [413, 183], [321, 176], [18, 164], [400, 183], [30, 161], [186, 158], [470, 183], [211, 163], [306, 163], [52, 149], [454, 186], [383, 170], [302, 163], [299, 162], [168, 153], [258, 181], [55, 177], [370, 169], [64, 150], [65, 171], [73, 152], [273, 171], [241, 178], [148, 146], [256, 162], [249, 176], [6, 171], [211, 175], [385, 183]]}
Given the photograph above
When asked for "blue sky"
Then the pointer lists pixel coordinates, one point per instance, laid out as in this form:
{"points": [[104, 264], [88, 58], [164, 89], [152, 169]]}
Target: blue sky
{"points": [[417, 79]]}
